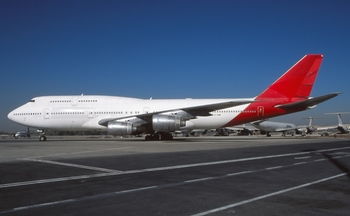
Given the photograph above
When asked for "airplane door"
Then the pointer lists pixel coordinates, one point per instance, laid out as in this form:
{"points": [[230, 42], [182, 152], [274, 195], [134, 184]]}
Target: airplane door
{"points": [[46, 113], [260, 111], [145, 110], [75, 101], [90, 113]]}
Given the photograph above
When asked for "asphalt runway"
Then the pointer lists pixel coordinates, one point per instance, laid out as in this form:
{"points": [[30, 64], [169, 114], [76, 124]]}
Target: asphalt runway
{"points": [[186, 176]]}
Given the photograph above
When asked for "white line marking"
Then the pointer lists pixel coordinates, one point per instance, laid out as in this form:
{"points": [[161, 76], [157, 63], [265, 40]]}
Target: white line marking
{"points": [[271, 168], [335, 149], [40, 205], [267, 195], [73, 165], [299, 163], [196, 180], [81, 152], [239, 173], [160, 169], [75, 200], [168, 185], [135, 190]]}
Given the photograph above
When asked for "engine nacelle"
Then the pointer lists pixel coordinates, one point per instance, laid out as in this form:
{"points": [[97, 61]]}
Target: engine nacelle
{"points": [[122, 128], [167, 123]]}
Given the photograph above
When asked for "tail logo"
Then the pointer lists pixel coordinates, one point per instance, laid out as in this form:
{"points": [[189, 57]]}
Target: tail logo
{"points": [[260, 111]]}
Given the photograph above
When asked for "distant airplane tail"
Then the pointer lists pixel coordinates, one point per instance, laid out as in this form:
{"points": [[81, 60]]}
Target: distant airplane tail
{"points": [[295, 84], [340, 122], [342, 128]]}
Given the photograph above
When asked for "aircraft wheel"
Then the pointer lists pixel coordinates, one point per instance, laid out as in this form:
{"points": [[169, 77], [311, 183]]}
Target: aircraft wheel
{"points": [[42, 138]]}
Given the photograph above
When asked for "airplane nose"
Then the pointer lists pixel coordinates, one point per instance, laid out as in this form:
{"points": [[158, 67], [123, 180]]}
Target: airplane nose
{"points": [[9, 116]]}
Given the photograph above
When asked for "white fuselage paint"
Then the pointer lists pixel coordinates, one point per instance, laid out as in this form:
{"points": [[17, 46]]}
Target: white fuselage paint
{"points": [[274, 126], [84, 112]]}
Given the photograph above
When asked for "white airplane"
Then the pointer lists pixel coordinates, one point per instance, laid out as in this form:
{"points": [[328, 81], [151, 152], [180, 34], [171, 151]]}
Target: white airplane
{"points": [[310, 128], [237, 129], [270, 126], [22, 134], [343, 129], [159, 118]]}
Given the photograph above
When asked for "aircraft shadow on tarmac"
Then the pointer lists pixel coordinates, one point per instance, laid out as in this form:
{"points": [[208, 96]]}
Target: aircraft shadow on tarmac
{"points": [[338, 164]]}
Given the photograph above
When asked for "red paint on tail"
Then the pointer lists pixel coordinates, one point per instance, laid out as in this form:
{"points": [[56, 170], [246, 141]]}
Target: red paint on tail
{"points": [[294, 85]]}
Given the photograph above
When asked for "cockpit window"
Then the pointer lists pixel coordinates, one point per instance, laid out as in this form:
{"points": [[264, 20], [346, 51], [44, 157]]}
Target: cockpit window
{"points": [[32, 101]]}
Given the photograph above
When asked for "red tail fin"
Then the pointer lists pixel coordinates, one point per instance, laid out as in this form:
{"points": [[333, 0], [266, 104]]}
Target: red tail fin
{"points": [[296, 84]]}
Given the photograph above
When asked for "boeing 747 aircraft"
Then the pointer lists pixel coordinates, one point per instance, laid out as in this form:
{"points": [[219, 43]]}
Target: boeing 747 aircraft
{"points": [[159, 118]]}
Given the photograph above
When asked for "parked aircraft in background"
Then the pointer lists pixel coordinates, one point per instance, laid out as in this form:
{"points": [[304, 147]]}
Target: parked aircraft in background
{"points": [[3, 136], [243, 129], [22, 134], [310, 128], [266, 127], [343, 129], [159, 118]]}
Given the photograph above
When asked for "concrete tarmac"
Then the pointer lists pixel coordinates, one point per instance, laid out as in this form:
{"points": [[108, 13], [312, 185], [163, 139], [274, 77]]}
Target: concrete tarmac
{"points": [[186, 176]]}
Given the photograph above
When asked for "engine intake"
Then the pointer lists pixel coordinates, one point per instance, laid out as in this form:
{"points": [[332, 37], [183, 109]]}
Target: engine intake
{"points": [[167, 123]]}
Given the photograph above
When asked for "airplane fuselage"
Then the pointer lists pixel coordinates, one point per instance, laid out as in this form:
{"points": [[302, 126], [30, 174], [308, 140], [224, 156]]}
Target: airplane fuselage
{"points": [[84, 112]]}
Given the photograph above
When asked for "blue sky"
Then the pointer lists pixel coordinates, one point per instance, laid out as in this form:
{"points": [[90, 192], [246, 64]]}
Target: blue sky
{"points": [[170, 49]]}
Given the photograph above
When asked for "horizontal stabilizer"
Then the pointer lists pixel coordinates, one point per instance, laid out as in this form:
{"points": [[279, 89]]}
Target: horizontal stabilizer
{"points": [[308, 103]]}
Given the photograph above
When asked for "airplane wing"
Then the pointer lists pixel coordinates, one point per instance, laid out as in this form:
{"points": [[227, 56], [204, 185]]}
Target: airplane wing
{"points": [[309, 102], [188, 112]]}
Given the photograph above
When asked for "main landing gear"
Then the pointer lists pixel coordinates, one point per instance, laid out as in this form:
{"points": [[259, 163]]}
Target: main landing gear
{"points": [[159, 136], [42, 136]]}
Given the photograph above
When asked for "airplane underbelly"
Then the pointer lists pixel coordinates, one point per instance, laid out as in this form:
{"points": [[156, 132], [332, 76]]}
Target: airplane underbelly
{"points": [[210, 122], [58, 124]]}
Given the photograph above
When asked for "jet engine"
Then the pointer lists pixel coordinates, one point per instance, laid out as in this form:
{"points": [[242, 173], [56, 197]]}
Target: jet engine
{"points": [[123, 128], [167, 123]]}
